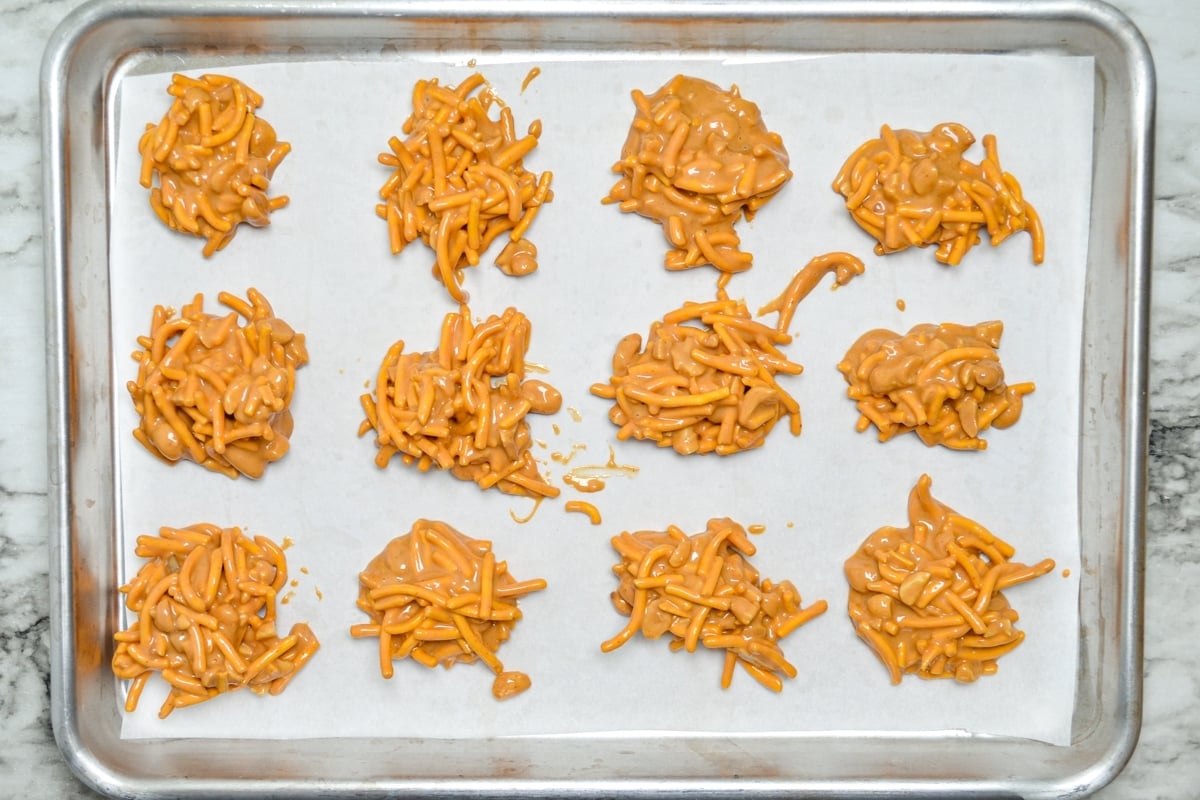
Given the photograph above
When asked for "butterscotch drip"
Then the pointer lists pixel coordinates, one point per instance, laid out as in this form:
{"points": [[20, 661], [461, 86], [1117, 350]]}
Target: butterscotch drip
{"points": [[843, 266], [590, 478]]}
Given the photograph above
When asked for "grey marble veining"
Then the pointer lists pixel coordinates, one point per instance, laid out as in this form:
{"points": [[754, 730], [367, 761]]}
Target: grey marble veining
{"points": [[1167, 761], [30, 765]]}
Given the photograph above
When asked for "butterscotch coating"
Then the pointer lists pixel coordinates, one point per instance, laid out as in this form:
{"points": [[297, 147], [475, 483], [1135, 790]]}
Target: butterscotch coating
{"points": [[217, 392], [927, 598], [213, 158], [697, 160], [944, 382], [914, 188]]}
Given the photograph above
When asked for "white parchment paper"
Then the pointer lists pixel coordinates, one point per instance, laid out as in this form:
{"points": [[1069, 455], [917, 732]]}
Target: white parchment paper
{"points": [[324, 264]]}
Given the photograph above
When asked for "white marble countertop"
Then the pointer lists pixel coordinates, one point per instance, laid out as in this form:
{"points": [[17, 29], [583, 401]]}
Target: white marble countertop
{"points": [[1166, 763]]}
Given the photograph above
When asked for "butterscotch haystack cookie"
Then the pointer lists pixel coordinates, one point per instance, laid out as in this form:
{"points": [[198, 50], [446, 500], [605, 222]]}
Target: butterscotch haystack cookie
{"points": [[463, 406], [213, 159], [927, 598], [916, 188], [206, 602], [944, 382], [215, 389], [439, 597], [697, 160], [459, 182], [702, 590]]}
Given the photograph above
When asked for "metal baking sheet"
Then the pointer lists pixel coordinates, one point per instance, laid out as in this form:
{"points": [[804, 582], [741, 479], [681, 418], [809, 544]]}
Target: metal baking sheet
{"points": [[809, 761]]}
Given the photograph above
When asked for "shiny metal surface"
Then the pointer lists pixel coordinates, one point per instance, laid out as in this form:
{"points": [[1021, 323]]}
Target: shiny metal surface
{"points": [[101, 39]]}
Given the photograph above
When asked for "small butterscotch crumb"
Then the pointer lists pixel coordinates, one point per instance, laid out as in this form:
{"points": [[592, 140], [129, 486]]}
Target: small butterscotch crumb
{"points": [[529, 76], [510, 684], [592, 513]]}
